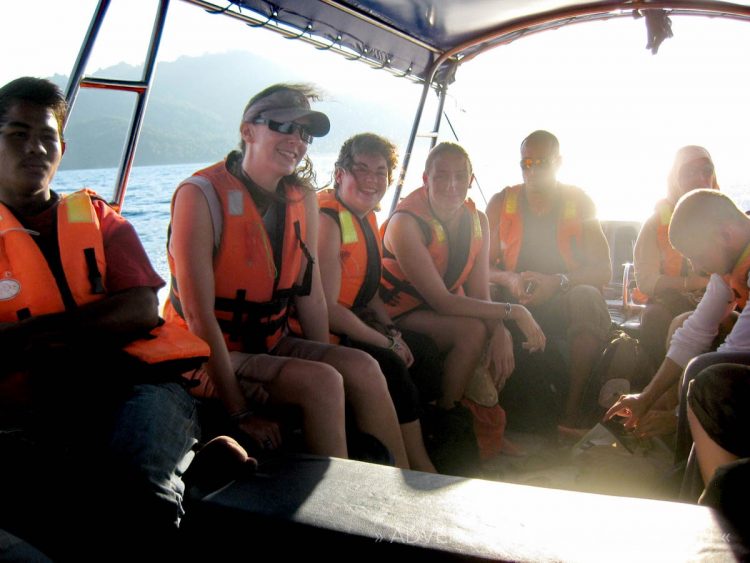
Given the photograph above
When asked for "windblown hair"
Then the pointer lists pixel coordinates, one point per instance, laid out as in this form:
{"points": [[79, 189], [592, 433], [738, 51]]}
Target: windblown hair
{"points": [[304, 175], [544, 137], [446, 147], [36, 91], [698, 212], [366, 143]]}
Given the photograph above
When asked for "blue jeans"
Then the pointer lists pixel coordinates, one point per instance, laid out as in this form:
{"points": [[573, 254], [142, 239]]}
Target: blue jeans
{"points": [[151, 446]]}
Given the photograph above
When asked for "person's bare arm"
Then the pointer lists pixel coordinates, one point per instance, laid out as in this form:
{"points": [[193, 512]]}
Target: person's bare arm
{"points": [[312, 309], [191, 245], [342, 320], [112, 321], [634, 407], [406, 240], [510, 280]]}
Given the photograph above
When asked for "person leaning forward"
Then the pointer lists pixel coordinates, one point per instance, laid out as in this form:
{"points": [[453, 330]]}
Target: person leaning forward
{"points": [[91, 397], [714, 235], [548, 252]]}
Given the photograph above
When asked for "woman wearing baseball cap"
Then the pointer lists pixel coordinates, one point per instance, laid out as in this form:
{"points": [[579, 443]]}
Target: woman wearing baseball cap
{"points": [[242, 247]]}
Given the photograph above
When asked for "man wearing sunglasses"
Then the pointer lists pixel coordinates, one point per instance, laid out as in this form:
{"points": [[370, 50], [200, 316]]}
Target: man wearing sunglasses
{"points": [[549, 253]]}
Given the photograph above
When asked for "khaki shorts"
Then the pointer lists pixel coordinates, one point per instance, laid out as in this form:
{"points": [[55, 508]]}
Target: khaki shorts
{"points": [[263, 367]]}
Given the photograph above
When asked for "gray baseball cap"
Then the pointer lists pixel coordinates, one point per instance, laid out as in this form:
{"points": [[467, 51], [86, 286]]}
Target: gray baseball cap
{"points": [[288, 105]]}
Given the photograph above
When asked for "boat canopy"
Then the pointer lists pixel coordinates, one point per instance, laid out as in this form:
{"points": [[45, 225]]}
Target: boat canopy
{"points": [[422, 38]]}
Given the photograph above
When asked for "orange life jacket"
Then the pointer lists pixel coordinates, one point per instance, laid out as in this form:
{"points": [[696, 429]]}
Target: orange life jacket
{"points": [[360, 246], [28, 287], [399, 295], [252, 301], [738, 278], [671, 262], [569, 227]]}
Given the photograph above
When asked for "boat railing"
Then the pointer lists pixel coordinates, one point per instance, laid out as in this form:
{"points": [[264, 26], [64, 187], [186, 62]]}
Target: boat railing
{"points": [[140, 87]]}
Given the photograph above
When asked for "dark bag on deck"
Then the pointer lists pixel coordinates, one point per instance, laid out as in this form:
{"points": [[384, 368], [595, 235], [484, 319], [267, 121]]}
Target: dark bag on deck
{"points": [[450, 440], [623, 367]]}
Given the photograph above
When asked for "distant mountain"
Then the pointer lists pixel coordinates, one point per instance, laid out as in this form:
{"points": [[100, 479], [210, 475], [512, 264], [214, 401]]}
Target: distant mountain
{"points": [[194, 111]]}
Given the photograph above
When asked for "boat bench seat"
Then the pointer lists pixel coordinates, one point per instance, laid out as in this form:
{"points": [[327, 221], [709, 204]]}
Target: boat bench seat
{"points": [[331, 508]]}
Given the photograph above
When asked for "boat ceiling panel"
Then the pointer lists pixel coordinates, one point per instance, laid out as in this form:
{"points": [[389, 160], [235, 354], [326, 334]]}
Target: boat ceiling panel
{"points": [[410, 36]]}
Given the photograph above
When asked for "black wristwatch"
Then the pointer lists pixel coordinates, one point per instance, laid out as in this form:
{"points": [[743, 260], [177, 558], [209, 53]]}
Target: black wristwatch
{"points": [[564, 283]]}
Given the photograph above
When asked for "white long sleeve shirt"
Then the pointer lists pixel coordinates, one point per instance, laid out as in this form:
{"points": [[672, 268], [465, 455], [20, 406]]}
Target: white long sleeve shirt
{"points": [[699, 330]]}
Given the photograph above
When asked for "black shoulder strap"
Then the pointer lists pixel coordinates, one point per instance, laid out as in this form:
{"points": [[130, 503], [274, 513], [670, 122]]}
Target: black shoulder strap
{"points": [[458, 251], [369, 288]]}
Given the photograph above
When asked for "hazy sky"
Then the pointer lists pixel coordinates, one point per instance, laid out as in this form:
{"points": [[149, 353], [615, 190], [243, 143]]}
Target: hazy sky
{"points": [[620, 113]]}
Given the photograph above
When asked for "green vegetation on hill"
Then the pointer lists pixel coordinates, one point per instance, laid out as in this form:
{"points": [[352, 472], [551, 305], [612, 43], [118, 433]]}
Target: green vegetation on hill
{"points": [[194, 110]]}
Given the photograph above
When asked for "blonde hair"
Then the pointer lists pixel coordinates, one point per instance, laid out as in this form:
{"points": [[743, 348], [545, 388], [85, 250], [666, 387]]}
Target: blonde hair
{"points": [[698, 212]]}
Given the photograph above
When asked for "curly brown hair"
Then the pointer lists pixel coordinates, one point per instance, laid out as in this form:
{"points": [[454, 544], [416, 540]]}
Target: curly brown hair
{"points": [[366, 143]]}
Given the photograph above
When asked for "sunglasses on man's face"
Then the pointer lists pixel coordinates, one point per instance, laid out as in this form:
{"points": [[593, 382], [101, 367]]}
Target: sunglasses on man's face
{"points": [[287, 128], [541, 163]]}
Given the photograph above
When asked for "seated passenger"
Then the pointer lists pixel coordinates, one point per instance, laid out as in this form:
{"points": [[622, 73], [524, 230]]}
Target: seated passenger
{"points": [[349, 250], [718, 415], [96, 427], [714, 234], [548, 252], [435, 276], [242, 251], [664, 277]]}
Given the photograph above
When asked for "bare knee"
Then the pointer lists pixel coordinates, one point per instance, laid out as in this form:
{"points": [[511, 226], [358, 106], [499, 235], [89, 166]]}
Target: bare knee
{"points": [[358, 369], [306, 381], [469, 335]]}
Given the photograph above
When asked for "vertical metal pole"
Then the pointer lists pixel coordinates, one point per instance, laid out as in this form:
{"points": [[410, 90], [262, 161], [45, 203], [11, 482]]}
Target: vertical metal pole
{"points": [[410, 143], [71, 92], [439, 115], [128, 155]]}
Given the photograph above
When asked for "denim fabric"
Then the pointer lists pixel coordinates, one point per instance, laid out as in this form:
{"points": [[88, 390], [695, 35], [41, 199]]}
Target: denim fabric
{"points": [[151, 446]]}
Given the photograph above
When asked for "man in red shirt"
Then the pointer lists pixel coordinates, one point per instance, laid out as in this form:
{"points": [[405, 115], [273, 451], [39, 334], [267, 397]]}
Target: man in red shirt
{"points": [[92, 408]]}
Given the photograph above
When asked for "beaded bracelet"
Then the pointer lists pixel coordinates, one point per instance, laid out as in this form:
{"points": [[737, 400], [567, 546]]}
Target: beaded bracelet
{"points": [[392, 344]]}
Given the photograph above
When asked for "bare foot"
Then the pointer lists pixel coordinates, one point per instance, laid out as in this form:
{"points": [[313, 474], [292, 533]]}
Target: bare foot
{"points": [[219, 461]]}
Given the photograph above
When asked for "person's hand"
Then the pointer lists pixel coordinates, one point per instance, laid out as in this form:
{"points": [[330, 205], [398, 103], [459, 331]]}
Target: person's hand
{"points": [[541, 288], [265, 433], [402, 350], [500, 359], [535, 339], [516, 286], [630, 407], [656, 423]]}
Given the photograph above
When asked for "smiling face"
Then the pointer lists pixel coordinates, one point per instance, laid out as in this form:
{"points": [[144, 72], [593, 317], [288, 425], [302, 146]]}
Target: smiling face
{"points": [[447, 181], [269, 155], [363, 185], [30, 152]]}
